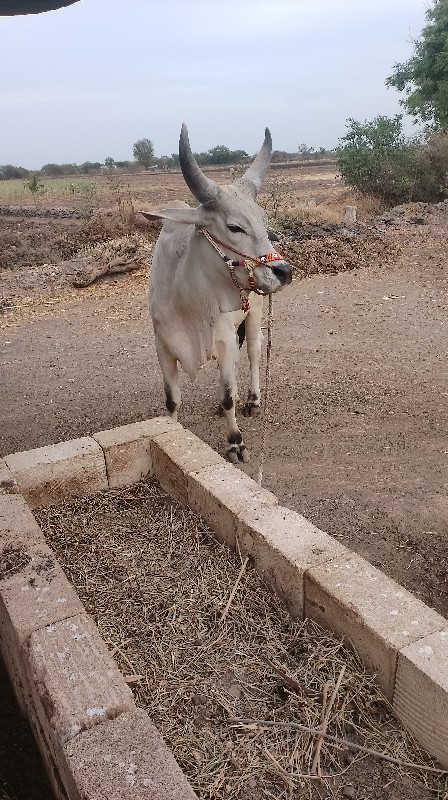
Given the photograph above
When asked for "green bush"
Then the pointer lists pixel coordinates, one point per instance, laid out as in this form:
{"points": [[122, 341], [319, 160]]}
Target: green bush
{"points": [[35, 186], [378, 159]]}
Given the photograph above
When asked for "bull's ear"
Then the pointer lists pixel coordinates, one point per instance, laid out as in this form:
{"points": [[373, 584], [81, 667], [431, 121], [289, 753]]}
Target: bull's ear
{"points": [[184, 216]]}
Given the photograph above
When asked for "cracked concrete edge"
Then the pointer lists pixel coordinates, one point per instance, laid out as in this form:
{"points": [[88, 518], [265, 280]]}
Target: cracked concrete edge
{"points": [[314, 574]]}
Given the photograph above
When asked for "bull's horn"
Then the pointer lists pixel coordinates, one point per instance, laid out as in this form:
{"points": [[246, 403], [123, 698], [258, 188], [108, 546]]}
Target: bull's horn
{"points": [[204, 190], [253, 177]]}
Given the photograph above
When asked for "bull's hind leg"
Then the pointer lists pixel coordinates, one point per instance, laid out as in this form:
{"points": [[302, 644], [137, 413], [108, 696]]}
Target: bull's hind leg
{"points": [[168, 366], [227, 352]]}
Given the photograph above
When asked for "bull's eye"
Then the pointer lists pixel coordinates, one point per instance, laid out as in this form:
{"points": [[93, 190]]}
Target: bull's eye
{"points": [[235, 229]]}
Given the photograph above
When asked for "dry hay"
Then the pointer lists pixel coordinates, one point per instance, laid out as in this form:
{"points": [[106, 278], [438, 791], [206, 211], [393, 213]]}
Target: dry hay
{"points": [[158, 585], [337, 253]]}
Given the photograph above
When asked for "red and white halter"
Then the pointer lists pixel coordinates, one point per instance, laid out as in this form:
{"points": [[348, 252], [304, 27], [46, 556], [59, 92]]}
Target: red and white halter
{"points": [[249, 263]]}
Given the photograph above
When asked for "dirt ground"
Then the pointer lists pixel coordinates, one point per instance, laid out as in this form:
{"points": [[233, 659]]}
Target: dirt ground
{"points": [[358, 413], [359, 403]]}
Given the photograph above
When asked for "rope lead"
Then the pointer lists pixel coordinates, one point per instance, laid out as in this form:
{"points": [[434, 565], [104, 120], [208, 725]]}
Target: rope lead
{"points": [[267, 388]]}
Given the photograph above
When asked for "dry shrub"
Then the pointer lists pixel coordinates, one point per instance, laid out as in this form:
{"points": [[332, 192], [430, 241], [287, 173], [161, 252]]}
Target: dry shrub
{"points": [[366, 205], [307, 211], [283, 201], [33, 244], [437, 153], [102, 228]]}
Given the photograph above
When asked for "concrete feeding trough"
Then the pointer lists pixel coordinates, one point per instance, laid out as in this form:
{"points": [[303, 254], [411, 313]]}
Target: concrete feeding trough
{"points": [[89, 730]]}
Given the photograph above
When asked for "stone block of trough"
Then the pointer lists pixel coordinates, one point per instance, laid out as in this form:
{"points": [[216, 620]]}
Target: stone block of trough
{"points": [[378, 616], [18, 527], [8, 484], [127, 449], [421, 692], [75, 683], [48, 475], [223, 495], [34, 592], [283, 545], [126, 759], [178, 454]]}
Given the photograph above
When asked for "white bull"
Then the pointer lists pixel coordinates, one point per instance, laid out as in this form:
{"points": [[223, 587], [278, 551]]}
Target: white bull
{"points": [[200, 294]]}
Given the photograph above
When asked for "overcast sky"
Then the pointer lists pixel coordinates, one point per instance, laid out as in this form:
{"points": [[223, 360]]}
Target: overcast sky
{"points": [[85, 82]]}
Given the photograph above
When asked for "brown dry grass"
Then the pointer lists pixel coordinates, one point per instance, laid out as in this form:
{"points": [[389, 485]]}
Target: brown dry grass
{"points": [[157, 583], [292, 198], [366, 206], [337, 253]]}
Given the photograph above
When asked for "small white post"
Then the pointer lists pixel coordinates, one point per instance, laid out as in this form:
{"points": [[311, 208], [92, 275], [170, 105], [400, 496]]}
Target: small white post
{"points": [[350, 216]]}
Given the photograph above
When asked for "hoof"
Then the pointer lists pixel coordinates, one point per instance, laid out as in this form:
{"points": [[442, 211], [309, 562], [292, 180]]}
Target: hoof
{"points": [[243, 455], [250, 409], [238, 452], [232, 455]]}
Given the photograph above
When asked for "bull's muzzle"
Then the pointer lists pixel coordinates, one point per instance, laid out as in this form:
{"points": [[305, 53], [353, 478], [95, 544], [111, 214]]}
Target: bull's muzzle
{"points": [[282, 271]]}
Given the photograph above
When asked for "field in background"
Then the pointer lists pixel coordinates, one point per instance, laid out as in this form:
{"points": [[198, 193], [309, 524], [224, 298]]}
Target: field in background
{"points": [[305, 192]]}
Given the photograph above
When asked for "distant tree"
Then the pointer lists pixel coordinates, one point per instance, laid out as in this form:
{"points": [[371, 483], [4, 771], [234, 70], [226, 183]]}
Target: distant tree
{"points": [[323, 152], [143, 152], [221, 155], [305, 151], [109, 162], [202, 158], [165, 162], [70, 169], [282, 155], [89, 166], [238, 156], [9, 172], [53, 170], [123, 164], [424, 77], [216, 155]]}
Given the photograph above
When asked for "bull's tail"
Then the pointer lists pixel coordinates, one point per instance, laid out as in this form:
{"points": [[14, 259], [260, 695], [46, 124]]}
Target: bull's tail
{"points": [[241, 333]]}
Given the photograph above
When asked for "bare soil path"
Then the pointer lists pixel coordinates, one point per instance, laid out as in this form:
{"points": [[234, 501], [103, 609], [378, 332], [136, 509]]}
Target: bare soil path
{"points": [[359, 407]]}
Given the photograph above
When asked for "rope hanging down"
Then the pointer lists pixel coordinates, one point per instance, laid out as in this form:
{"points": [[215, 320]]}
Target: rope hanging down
{"points": [[267, 388]]}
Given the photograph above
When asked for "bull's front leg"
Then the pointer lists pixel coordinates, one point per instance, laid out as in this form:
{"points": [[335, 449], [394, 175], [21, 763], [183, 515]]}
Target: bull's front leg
{"points": [[227, 354], [168, 366]]}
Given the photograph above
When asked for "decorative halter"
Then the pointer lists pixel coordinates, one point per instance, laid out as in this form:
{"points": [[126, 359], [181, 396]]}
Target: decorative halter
{"points": [[249, 263]]}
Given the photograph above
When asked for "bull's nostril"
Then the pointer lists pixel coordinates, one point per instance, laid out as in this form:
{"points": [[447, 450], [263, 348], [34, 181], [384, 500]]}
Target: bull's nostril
{"points": [[283, 272]]}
